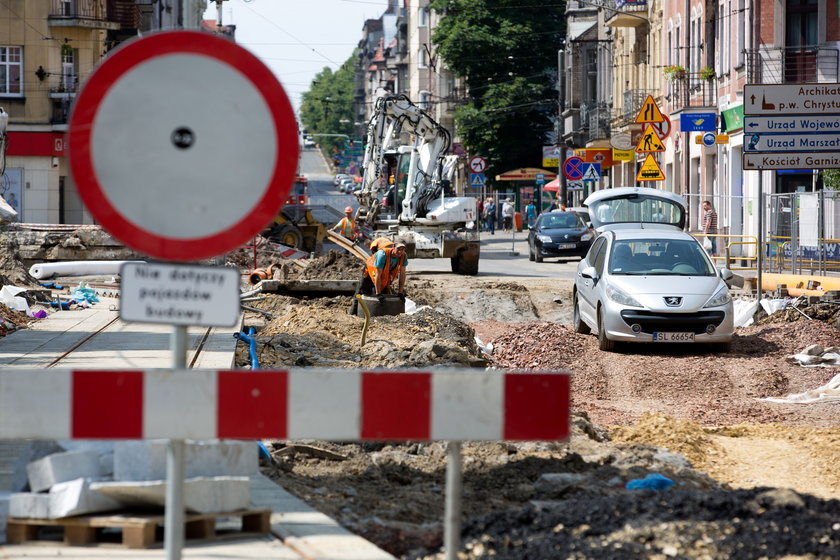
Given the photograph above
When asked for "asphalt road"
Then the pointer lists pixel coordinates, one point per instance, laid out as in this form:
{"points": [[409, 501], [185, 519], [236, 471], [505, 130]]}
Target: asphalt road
{"points": [[502, 254]]}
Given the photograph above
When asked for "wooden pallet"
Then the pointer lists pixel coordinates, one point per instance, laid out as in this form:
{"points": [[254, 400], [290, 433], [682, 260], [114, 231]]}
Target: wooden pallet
{"points": [[138, 530]]}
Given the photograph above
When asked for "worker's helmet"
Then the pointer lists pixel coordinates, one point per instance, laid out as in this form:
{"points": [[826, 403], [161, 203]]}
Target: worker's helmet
{"points": [[380, 243], [348, 209]]}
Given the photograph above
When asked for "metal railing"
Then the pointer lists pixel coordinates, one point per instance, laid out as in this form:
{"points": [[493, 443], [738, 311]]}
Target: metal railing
{"points": [[622, 7], [777, 65], [77, 9], [701, 93], [633, 100], [596, 117]]}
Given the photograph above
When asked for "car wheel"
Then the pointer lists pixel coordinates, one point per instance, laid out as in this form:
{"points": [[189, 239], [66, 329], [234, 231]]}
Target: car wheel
{"points": [[577, 323], [530, 253], [537, 255], [604, 343]]}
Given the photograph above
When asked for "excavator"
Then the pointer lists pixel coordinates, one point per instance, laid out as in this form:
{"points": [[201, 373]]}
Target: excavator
{"points": [[406, 191]]}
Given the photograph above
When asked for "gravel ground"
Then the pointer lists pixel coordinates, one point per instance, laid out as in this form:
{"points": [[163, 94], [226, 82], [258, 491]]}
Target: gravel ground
{"points": [[754, 479]]}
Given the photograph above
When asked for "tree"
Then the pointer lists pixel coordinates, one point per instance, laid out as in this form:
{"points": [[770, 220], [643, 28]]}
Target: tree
{"points": [[831, 179], [507, 52], [327, 108]]}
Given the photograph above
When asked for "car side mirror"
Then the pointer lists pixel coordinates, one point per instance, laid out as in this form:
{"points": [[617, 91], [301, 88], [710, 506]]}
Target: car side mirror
{"points": [[590, 273]]}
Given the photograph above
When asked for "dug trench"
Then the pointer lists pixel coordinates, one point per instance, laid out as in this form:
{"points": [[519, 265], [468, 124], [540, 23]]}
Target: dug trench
{"points": [[752, 478]]}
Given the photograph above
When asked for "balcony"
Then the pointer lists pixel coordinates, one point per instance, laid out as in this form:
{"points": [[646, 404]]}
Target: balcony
{"points": [[625, 13], [90, 14], [597, 116], [632, 103], [692, 92], [778, 65]]}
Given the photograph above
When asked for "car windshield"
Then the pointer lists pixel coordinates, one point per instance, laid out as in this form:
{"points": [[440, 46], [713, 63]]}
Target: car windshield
{"points": [[636, 209], [560, 221], [663, 257]]}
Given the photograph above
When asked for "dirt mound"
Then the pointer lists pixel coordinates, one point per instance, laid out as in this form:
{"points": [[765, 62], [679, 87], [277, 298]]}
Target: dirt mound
{"points": [[826, 312], [319, 332], [12, 270]]}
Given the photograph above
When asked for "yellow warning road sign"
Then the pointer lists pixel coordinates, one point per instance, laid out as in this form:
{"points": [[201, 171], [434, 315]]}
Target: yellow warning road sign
{"points": [[650, 113], [650, 170], [650, 141]]}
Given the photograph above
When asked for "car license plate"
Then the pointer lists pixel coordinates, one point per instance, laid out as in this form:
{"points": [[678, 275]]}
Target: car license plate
{"points": [[673, 337], [566, 245]]}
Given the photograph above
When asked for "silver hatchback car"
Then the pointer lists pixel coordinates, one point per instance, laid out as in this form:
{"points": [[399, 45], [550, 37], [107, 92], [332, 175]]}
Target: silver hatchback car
{"points": [[645, 279]]}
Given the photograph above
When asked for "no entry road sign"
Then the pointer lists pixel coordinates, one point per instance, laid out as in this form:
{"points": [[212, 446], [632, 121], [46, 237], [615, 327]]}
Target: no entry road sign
{"points": [[183, 145]]}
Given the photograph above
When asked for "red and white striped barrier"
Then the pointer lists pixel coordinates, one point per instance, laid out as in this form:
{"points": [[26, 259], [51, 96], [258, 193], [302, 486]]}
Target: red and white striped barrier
{"points": [[337, 405]]}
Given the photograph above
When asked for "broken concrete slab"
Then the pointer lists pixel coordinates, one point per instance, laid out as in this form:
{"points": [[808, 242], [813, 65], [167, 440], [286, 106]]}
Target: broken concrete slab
{"points": [[32, 451], [202, 494], [29, 505], [146, 460], [77, 498], [62, 467]]}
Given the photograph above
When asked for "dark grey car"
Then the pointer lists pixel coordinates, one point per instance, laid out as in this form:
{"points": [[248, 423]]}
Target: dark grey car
{"points": [[559, 235]]}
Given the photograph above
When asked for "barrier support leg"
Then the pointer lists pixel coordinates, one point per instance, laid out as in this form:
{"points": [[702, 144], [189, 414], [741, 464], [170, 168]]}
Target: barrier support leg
{"points": [[452, 515]]}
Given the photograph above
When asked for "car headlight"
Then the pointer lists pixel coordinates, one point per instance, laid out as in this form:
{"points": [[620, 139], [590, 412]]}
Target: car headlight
{"points": [[586, 236], [621, 298], [722, 297], [544, 238]]}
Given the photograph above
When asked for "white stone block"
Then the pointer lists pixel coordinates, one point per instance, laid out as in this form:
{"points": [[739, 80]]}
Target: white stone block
{"points": [[29, 505], [146, 460], [202, 495], [61, 467], [76, 498], [5, 497]]}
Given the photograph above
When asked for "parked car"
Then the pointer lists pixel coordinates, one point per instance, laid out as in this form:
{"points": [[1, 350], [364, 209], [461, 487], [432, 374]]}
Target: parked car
{"points": [[346, 185], [645, 279], [559, 234], [582, 211], [338, 177]]}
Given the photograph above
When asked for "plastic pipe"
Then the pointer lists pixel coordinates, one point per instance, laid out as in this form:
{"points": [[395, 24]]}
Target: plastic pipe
{"points": [[252, 346], [77, 268]]}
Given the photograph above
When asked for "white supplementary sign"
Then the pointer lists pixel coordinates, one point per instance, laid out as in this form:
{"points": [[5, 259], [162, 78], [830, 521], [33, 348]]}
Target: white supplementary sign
{"points": [[175, 294], [780, 99], [478, 164], [788, 160], [792, 124], [190, 174], [794, 142]]}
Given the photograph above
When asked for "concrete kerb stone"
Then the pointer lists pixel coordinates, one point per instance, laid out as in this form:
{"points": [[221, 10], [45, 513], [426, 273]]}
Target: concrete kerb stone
{"points": [[216, 494], [146, 460], [77, 497], [32, 506], [44, 473]]}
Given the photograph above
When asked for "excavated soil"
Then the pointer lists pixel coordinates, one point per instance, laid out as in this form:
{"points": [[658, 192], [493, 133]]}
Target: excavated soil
{"points": [[754, 479]]}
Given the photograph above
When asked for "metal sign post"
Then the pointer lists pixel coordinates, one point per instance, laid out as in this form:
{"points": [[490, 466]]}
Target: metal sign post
{"points": [[452, 514]]}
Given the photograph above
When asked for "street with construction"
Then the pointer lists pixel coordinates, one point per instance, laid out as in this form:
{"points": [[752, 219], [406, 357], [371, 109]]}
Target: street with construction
{"points": [[365, 341]]}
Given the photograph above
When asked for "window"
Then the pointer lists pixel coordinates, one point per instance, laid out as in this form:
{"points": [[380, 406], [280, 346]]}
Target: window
{"points": [[11, 66], [421, 58], [425, 97], [68, 69], [423, 15]]}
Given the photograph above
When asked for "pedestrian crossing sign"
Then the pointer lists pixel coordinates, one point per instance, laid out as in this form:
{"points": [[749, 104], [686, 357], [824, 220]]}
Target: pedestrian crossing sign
{"points": [[649, 113], [650, 170], [650, 141], [477, 179], [592, 172]]}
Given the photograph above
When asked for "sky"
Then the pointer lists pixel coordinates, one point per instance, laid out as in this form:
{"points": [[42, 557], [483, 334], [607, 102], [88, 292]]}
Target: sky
{"points": [[298, 38]]}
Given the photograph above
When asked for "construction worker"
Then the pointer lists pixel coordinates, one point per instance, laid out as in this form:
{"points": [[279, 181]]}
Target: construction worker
{"points": [[381, 269], [347, 225]]}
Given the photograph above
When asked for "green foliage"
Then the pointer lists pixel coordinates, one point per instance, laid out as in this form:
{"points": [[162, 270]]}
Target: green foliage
{"points": [[831, 179], [507, 52], [327, 108]]}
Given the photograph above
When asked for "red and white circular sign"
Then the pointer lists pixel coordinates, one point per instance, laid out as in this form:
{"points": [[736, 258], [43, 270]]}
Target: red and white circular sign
{"points": [[183, 145], [478, 164]]}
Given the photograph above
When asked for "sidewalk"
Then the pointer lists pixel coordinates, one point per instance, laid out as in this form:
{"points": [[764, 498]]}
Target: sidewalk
{"points": [[298, 530]]}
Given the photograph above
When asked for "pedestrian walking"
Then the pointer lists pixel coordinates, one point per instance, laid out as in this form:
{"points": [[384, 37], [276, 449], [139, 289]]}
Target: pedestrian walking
{"points": [[507, 214], [531, 213], [490, 215], [710, 225]]}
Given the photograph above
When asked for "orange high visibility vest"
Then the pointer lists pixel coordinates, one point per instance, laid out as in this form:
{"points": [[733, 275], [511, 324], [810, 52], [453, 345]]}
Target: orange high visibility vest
{"points": [[347, 228], [390, 275], [380, 243]]}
